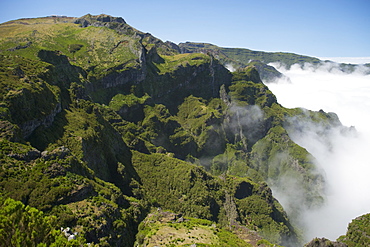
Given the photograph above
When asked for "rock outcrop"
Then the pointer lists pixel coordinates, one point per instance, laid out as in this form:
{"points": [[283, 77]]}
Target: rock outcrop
{"points": [[98, 20]]}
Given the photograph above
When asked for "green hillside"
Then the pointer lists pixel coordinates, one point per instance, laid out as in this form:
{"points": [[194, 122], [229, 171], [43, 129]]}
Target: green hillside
{"points": [[244, 56], [235, 58], [239, 58], [111, 132]]}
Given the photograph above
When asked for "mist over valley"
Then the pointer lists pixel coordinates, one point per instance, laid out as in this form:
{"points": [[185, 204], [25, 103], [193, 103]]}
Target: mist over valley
{"points": [[341, 156]]}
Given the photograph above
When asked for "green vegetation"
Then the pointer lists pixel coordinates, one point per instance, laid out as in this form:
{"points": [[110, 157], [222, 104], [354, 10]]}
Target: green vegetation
{"points": [[358, 232], [250, 93], [178, 186], [161, 228], [120, 100], [237, 58], [93, 48], [22, 225], [240, 56], [171, 63], [101, 123]]}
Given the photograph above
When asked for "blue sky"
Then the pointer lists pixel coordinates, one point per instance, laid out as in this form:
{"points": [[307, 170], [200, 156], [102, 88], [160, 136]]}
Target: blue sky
{"points": [[321, 28]]}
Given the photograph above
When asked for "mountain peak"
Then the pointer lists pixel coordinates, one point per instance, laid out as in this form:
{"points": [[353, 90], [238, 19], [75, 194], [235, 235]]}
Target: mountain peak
{"points": [[98, 20]]}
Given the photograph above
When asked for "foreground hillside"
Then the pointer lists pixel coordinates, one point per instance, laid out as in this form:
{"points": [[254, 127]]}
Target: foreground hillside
{"points": [[127, 141]]}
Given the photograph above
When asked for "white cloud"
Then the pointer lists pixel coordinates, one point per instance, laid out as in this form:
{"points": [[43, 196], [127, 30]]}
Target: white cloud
{"points": [[352, 60], [230, 67], [346, 163]]}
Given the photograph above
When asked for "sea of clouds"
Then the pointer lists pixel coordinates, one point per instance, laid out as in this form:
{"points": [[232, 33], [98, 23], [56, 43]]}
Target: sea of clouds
{"points": [[344, 159]]}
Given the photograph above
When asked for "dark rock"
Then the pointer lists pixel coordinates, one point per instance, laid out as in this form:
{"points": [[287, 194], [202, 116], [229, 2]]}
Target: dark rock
{"points": [[10, 131], [173, 46], [323, 242], [244, 190], [18, 47], [267, 73], [28, 156], [55, 170], [180, 220], [108, 18], [176, 217], [60, 152], [29, 126], [98, 20], [81, 192]]}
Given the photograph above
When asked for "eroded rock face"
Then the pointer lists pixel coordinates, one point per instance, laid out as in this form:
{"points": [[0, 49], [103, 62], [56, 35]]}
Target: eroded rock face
{"points": [[60, 153], [28, 156], [29, 126], [98, 20], [10, 131], [55, 170]]}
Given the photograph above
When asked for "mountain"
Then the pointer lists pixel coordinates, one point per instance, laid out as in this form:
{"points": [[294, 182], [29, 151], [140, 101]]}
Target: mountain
{"points": [[235, 58], [120, 139], [238, 58]]}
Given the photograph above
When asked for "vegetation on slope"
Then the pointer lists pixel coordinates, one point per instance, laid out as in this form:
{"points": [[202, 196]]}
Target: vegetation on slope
{"points": [[246, 55], [22, 225], [170, 229], [358, 232], [236, 58], [101, 123]]}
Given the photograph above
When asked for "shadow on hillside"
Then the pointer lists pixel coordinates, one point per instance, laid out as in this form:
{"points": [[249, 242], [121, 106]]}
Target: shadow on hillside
{"points": [[43, 136]]}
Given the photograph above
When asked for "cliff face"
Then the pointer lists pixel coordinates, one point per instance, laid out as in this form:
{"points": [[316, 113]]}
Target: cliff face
{"points": [[101, 123]]}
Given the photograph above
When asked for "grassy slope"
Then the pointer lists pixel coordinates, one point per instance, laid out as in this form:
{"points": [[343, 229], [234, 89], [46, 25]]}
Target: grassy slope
{"points": [[100, 48], [244, 56], [235, 58], [168, 229]]}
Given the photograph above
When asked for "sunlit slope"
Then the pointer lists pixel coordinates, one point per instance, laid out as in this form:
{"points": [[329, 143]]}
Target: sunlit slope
{"points": [[94, 49]]}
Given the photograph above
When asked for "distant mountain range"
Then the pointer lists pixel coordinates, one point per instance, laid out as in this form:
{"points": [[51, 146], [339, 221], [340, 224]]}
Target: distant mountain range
{"points": [[235, 58]]}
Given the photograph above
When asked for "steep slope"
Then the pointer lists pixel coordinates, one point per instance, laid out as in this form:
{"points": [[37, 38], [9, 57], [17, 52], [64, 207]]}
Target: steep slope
{"points": [[101, 124], [357, 232]]}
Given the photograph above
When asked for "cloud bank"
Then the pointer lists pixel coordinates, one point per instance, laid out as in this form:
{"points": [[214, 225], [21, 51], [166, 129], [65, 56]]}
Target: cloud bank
{"points": [[342, 156], [352, 60], [230, 67]]}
